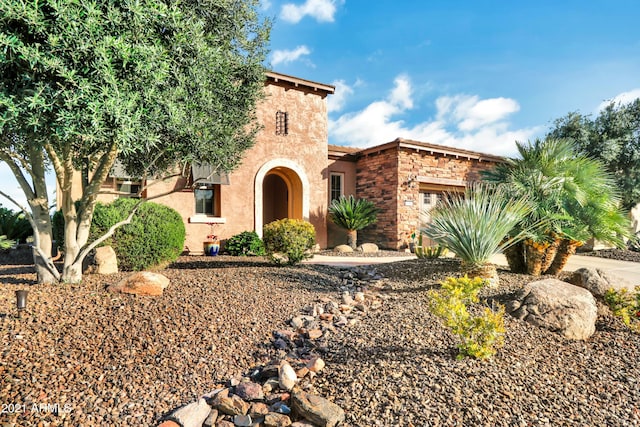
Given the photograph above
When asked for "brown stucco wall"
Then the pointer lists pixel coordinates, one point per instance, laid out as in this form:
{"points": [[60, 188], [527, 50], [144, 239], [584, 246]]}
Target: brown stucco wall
{"points": [[336, 235]]}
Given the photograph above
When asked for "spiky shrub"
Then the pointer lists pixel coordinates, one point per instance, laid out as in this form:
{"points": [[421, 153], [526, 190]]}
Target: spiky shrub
{"points": [[480, 335], [288, 241], [475, 225], [247, 243], [154, 237], [352, 214]]}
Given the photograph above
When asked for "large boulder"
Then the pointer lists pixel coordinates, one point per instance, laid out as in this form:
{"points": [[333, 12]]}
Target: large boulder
{"points": [[142, 283], [598, 281], [106, 260], [557, 306], [367, 248]]}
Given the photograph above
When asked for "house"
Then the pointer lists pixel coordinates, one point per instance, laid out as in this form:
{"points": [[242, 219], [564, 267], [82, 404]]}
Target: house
{"points": [[292, 172]]}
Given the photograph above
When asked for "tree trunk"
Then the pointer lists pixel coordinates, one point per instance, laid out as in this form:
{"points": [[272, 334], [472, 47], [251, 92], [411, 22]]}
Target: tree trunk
{"points": [[352, 238], [487, 272], [550, 255], [515, 258], [534, 255], [565, 250], [43, 228]]}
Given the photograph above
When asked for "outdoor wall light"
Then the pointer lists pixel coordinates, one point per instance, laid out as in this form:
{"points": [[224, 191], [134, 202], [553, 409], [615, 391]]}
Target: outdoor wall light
{"points": [[21, 301]]}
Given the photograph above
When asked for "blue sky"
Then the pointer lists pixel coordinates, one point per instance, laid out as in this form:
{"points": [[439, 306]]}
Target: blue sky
{"points": [[471, 74]]}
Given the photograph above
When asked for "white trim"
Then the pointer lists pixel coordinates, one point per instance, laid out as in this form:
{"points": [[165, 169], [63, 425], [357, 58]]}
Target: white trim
{"points": [[204, 219], [262, 172]]}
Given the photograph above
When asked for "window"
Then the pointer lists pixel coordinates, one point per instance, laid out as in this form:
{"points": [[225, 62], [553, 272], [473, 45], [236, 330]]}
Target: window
{"points": [[282, 123], [336, 188], [205, 200], [127, 188]]}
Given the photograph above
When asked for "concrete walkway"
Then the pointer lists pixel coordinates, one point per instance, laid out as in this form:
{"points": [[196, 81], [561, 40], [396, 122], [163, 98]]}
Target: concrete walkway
{"points": [[623, 269]]}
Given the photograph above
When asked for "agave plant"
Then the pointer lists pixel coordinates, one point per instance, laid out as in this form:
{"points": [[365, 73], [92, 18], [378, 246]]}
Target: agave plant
{"points": [[477, 225], [352, 214]]}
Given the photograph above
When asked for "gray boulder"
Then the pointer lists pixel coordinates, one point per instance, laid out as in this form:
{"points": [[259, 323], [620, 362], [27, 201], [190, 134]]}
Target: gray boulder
{"points": [[557, 306], [367, 248], [598, 281], [343, 248]]}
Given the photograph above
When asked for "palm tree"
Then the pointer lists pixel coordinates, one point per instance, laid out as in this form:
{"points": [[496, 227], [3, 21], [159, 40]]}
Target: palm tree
{"points": [[574, 198], [352, 214], [474, 225]]}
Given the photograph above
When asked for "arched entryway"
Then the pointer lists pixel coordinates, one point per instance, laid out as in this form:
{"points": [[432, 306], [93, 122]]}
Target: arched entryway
{"points": [[281, 191]]}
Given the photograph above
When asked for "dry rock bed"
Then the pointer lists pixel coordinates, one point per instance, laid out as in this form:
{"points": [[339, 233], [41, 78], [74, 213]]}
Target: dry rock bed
{"points": [[82, 356]]}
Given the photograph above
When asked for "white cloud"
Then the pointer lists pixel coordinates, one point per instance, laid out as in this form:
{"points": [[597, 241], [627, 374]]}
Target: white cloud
{"points": [[462, 121], [321, 10], [287, 56], [337, 101], [622, 98]]}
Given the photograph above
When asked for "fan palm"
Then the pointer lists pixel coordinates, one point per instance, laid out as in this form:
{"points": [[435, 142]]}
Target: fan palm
{"points": [[352, 214], [474, 226], [572, 192]]}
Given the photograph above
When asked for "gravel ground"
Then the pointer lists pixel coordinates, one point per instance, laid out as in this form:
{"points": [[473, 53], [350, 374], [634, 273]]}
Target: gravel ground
{"points": [[86, 357]]}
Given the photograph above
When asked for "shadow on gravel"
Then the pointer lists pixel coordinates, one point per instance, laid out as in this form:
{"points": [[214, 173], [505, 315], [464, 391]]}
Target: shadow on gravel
{"points": [[11, 275]]}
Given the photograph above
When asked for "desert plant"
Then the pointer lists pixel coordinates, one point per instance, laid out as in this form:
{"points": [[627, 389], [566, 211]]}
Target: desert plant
{"points": [[477, 224], [154, 237], [430, 252], [6, 243], [574, 195], [14, 225], [480, 335], [247, 243], [352, 214], [626, 305], [289, 241]]}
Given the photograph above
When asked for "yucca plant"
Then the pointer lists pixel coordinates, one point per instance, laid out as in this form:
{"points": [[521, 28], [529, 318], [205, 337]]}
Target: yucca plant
{"points": [[352, 214], [477, 225], [6, 243]]}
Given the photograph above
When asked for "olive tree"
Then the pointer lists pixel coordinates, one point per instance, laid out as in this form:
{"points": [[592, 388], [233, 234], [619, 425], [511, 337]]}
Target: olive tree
{"points": [[155, 84]]}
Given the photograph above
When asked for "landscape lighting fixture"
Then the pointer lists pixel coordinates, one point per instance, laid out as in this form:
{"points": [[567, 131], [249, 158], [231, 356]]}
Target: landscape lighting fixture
{"points": [[21, 301]]}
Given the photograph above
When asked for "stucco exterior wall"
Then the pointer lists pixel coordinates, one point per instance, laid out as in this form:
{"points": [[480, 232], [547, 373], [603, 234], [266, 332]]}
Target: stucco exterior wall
{"points": [[336, 235]]}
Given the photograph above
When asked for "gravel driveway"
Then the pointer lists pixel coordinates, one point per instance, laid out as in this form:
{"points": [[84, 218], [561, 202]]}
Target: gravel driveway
{"points": [[81, 356]]}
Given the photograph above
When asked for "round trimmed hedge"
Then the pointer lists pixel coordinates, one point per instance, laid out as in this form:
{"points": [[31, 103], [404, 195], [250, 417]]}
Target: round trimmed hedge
{"points": [[154, 237]]}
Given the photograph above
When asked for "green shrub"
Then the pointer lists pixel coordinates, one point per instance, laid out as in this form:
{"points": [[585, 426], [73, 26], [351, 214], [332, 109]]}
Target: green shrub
{"points": [[626, 305], [154, 237], [14, 225], [247, 243], [480, 335], [291, 238]]}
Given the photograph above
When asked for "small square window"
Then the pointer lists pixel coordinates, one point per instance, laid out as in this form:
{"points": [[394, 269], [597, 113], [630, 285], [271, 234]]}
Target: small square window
{"points": [[282, 123]]}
